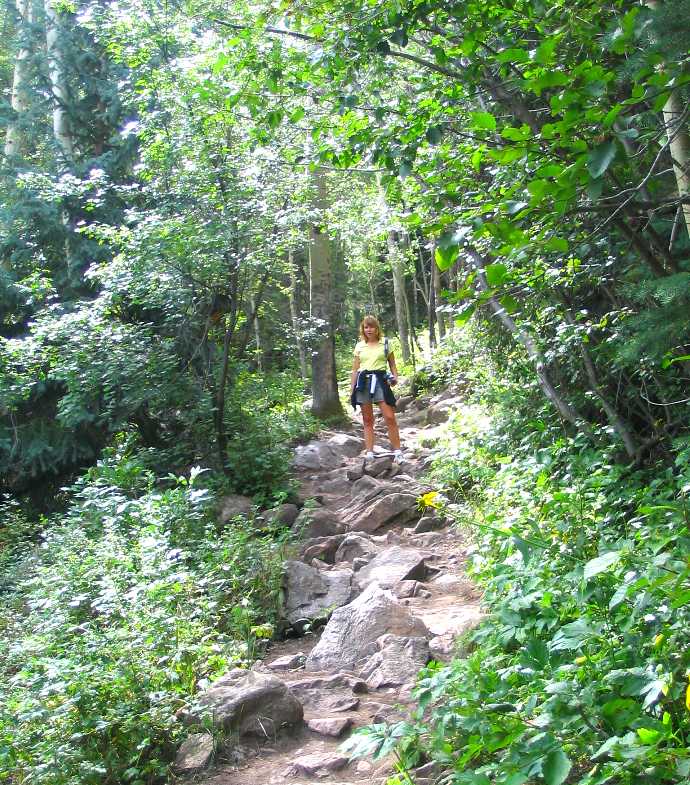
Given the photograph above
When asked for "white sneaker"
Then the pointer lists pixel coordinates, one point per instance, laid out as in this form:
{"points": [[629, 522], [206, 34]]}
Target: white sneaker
{"points": [[369, 456], [398, 456]]}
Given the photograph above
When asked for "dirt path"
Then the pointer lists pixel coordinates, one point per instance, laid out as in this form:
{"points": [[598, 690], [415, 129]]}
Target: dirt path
{"points": [[401, 596]]}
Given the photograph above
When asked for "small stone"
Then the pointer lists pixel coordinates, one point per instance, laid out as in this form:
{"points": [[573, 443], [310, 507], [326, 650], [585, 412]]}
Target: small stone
{"points": [[429, 523], [364, 767], [288, 662], [358, 563], [355, 472], [404, 589], [341, 704], [330, 726], [194, 754]]}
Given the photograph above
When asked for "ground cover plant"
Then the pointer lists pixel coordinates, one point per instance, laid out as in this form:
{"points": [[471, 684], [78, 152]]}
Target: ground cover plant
{"points": [[117, 616]]}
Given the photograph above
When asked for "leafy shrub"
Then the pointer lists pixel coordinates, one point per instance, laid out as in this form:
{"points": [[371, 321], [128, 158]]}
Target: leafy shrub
{"points": [[132, 603], [580, 672]]}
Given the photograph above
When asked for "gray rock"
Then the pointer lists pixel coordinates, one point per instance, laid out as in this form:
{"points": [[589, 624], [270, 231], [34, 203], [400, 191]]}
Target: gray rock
{"points": [[355, 472], [344, 444], [378, 466], [442, 647], [311, 593], [429, 523], [318, 522], [338, 485], [317, 764], [398, 507], [353, 629], [323, 548], [359, 562], [194, 754], [330, 726], [288, 662], [398, 660], [234, 505], [283, 515], [328, 683], [355, 546], [316, 455], [392, 565], [440, 412], [248, 703], [403, 402], [404, 589]]}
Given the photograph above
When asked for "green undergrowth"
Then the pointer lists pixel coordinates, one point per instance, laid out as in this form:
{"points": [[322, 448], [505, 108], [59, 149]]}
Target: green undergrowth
{"points": [[579, 673], [114, 619]]}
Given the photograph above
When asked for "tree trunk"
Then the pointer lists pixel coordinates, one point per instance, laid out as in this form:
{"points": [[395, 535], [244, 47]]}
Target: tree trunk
{"points": [[257, 333], [326, 402], [14, 138], [566, 411], [397, 264], [679, 146], [61, 99], [440, 319], [431, 306], [295, 315]]}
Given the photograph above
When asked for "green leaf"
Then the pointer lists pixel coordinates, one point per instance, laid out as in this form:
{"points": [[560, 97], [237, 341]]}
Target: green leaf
{"points": [[445, 257], [509, 303], [520, 134], [545, 51], [557, 244], [518, 778], [601, 564], [600, 158], [496, 274], [649, 735], [405, 169], [556, 767], [465, 315], [483, 121]]}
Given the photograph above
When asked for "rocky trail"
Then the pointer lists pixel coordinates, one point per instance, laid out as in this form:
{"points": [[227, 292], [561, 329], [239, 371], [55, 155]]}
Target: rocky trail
{"points": [[388, 578]]}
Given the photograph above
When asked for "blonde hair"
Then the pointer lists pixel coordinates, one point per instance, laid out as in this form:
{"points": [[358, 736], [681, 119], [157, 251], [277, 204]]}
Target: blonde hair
{"points": [[371, 320]]}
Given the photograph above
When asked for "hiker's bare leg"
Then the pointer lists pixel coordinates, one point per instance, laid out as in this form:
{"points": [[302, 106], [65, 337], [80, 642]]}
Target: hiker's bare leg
{"points": [[391, 423], [368, 420]]}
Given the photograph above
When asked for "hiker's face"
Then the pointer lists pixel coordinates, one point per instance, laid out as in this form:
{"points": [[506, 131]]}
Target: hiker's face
{"points": [[370, 332]]}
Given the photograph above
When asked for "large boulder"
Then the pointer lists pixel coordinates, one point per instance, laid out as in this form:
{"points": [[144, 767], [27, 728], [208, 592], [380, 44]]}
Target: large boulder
{"points": [[323, 548], [353, 630], [392, 508], [311, 594], [441, 411], [344, 444], [233, 505], [397, 661], [248, 703], [318, 522], [316, 456], [393, 565]]}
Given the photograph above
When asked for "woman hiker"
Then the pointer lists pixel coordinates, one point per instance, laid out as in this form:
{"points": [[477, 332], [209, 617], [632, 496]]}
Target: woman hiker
{"points": [[371, 383]]}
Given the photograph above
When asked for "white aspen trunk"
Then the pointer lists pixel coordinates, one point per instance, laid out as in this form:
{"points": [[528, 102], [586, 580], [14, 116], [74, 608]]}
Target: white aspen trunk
{"points": [[679, 139], [440, 317], [257, 334], [61, 127], [294, 315], [14, 141], [325, 401], [399, 294]]}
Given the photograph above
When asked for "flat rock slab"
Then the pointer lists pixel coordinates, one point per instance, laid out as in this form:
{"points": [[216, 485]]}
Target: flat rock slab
{"points": [[330, 726], [312, 593], [288, 662], [317, 764], [248, 703], [316, 456], [353, 630], [392, 565], [233, 505], [194, 754]]}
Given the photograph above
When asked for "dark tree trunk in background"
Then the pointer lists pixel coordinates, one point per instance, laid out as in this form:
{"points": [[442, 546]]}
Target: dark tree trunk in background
{"points": [[326, 402], [294, 297]]}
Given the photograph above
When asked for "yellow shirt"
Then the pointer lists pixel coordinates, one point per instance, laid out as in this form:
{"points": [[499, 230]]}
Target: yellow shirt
{"points": [[371, 356]]}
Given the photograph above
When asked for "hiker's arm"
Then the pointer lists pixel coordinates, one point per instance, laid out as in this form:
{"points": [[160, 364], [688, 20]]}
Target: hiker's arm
{"points": [[355, 368], [394, 370]]}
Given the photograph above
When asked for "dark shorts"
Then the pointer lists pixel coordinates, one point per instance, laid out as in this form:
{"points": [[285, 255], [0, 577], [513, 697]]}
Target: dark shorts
{"points": [[363, 396]]}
